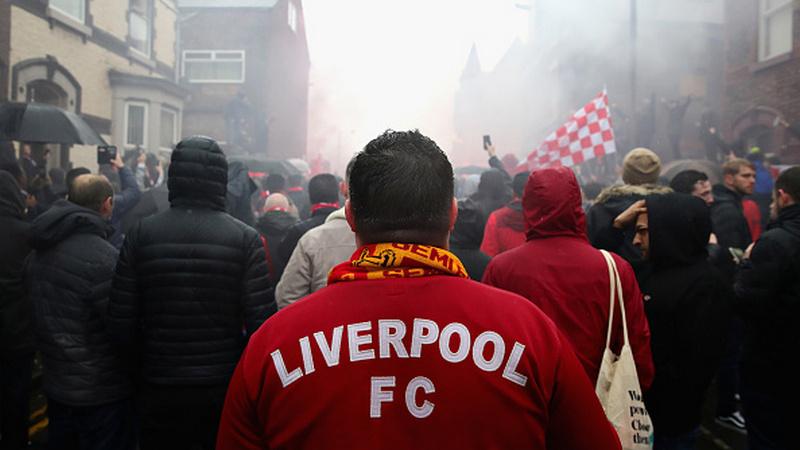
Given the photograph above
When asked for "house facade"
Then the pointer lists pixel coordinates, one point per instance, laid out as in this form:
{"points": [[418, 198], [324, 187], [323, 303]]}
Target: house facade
{"points": [[249, 78], [762, 88], [113, 62]]}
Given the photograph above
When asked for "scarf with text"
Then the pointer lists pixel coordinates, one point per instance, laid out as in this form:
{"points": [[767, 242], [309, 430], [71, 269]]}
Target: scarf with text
{"points": [[393, 260]]}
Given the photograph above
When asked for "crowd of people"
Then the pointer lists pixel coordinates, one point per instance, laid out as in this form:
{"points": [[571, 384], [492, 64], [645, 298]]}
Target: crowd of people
{"points": [[187, 305]]}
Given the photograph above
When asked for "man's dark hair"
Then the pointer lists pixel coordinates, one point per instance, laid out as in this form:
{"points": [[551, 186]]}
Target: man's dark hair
{"points": [[519, 182], [789, 182], [275, 183], [684, 181], [75, 173], [323, 188], [16, 171], [295, 180], [401, 189], [90, 191]]}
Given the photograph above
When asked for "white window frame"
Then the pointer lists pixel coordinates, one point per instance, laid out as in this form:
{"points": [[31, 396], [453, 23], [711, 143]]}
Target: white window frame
{"points": [[763, 16], [213, 59], [81, 19], [147, 15], [175, 126], [292, 19], [146, 107]]}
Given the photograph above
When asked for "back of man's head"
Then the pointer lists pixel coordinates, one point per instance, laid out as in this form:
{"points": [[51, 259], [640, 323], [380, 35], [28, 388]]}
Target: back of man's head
{"points": [[401, 190], [789, 182], [684, 181], [323, 188], [90, 191], [275, 182], [198, 173], [75, 173], [519, 182]]}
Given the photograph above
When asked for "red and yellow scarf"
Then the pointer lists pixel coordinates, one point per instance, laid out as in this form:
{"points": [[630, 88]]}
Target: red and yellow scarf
{"points": [[393, 260]]}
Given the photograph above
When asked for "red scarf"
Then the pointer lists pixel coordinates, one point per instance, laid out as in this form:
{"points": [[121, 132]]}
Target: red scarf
{"points": [[393, 260], [318, 206]]}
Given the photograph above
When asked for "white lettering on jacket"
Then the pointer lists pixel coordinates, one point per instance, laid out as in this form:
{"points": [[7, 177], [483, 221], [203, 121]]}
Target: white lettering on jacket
{"points": [[455, 344]]}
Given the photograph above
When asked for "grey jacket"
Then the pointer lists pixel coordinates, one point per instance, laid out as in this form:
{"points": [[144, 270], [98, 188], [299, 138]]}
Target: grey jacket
{"points": [[316, 253]]}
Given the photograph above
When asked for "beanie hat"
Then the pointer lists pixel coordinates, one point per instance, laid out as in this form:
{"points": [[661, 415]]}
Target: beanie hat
{"points": [[641, 166]]}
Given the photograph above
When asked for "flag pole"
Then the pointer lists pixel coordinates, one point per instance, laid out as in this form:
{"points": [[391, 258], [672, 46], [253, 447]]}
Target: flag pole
{"points": [[633, 80]]}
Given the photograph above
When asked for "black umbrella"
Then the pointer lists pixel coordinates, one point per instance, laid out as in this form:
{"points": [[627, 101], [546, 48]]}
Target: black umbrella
{"points": [[36, 122]]}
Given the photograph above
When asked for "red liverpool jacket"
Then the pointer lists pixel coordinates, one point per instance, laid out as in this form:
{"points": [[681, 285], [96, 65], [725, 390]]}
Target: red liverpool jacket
{"points": [[434, 362], [505, 229], [559, 271]]}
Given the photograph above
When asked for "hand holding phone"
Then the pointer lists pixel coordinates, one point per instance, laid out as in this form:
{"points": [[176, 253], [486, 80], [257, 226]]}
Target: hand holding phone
{"points": [[487, 141]]}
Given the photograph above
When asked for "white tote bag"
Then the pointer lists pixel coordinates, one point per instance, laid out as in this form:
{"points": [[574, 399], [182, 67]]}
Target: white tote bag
{"points": [[618, 384]]}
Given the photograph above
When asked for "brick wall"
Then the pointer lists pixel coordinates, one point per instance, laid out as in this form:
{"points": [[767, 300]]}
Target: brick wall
{"points": [[770, 87], [5, 37]]}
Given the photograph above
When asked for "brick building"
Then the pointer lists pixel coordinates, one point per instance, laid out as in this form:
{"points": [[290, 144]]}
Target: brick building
{"points": [[111, 61], [762, 86], [246, 65]]}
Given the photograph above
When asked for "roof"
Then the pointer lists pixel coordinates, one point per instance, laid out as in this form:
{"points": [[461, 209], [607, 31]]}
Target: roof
{"points": [[227, 3]]}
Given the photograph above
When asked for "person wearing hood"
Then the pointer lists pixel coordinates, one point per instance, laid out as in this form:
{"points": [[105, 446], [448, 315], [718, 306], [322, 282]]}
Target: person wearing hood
{"points": [[69, 280], [191, 286], [559, 271], [240, 190], [610, 219], [687, 309], [316, 253], [273, 226], [505, 228], [466, 237], [768, 300], [16, 327]]}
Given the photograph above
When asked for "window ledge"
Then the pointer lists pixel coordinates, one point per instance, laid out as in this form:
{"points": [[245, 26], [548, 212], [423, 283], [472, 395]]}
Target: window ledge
{"points": [[772, 62], [141, 58], [69, 22]]}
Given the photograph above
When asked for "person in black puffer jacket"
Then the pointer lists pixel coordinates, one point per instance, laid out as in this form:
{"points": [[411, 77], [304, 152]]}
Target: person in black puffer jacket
{"points": [[687, 309], [16, 328], [69, 279], [466, 237], [191, 286], [768, 300]]}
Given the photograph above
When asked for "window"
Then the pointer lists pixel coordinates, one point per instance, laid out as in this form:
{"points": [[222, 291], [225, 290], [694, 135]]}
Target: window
{"points": [[775, 28], [292, 16], [169, 128], [213, 66], [135, 124], [73, 8], [139, 26]]}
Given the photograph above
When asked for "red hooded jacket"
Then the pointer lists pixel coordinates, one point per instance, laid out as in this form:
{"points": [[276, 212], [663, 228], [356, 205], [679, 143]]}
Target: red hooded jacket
{"points": [[559, 271], [392, 364], [505, 229]]}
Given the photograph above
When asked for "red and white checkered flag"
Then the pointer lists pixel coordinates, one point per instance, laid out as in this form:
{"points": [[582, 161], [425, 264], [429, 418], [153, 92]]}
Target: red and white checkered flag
{"points": [[586, 135]]}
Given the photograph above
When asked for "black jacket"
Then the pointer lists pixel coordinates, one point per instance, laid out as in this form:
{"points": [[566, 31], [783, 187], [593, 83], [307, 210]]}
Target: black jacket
{"points": [[297, 231], [16, 329], [466, 238], [727, 218], [610, 203], [191, 283], [686, 306], [274, 225], [768, 295], [240, 188], [69, 279]]}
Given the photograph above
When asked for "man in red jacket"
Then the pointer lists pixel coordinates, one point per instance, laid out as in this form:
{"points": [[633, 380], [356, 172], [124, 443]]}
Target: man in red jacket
{"points": [[559, 271], [505, 228], [402, 350]]}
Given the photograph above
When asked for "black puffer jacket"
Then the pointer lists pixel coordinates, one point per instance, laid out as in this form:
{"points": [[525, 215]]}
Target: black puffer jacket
{"points": [[69, 279], [466, 237], [768, 297], [686, 302], [16, 329], [612, 202], [191, 283], [274, 225], [729, 225]]}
